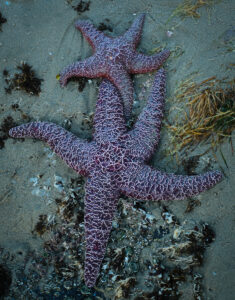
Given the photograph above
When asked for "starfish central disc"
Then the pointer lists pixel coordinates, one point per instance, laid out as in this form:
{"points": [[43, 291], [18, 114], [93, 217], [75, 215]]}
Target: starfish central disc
{"points": [[112, 158]]}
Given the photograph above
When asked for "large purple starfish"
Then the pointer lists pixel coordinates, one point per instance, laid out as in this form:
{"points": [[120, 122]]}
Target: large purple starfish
{"points": [[115, 164], [114, 59]]}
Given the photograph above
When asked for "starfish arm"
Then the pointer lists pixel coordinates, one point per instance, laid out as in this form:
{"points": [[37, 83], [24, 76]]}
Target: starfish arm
{"points": [[142, 63], [94, 37], [133, 34], [71, 149], [90, 67], [121, 79], [146, 133], [144, 183], [109, 121], [100, 205]]}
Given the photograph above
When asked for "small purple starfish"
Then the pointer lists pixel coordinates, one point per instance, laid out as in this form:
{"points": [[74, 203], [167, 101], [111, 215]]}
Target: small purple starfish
{"points": [[115, 164], [114, 59]]}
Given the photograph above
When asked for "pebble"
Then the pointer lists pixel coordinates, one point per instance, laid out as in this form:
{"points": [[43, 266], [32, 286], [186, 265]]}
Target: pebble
{"points": [[177, 233], [169, 33]]}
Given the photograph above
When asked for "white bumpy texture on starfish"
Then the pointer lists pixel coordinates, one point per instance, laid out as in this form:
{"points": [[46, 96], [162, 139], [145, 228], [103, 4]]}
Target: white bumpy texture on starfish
{"points": [[115, 163]]}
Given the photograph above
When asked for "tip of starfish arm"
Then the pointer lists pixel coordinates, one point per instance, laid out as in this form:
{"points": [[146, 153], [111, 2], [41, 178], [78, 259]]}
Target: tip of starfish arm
{"points": [[165, 54], [62, 80], [11, 132], [17, 132], [142, 15], [217, 175], [90, 279], [211, 178], [89, 283]]}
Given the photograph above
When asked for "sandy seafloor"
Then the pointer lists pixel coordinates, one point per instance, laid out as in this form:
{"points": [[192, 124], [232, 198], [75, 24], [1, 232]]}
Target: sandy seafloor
{"points": [[42, 33]]}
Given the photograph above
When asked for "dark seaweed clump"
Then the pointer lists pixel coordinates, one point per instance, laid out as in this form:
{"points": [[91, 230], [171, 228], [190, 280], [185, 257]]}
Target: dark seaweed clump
{"points": [[192, 203], [42, 225], [102, 26], [6, 125], [81, 7], [5, 281], [81, 82], [2, 21], [191, 164], [26, 80], [168, 282]]}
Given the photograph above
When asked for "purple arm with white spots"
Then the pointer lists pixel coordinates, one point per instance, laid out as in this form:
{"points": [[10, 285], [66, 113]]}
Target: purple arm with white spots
{"points": [[145, 183], [91, 34], [146, 133], [71, 149], [109, 123], [142, 63], [133, 34], [90, 67], [101, 200]]}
